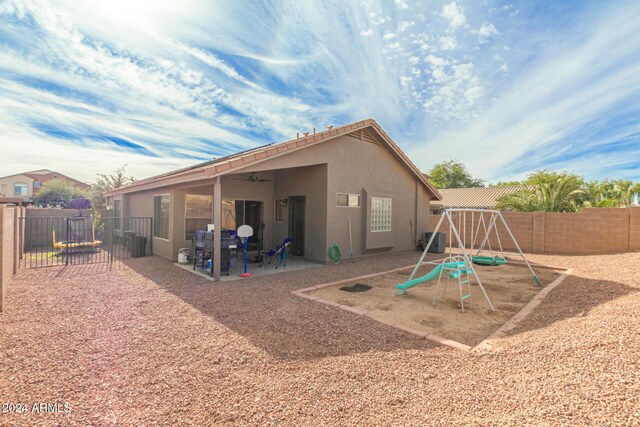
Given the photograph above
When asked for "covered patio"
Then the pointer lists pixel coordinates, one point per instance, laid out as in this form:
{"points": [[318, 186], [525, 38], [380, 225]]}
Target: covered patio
{"points": [[278, 204]]}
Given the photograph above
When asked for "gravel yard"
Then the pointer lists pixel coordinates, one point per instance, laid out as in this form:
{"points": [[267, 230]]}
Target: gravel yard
{"points": [[152, 344]]}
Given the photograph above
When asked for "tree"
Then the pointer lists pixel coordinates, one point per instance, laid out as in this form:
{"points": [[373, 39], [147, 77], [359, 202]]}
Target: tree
{"points": [[551, 192], [506, 183], [106, 182], [611, 193], [453, 174], [57, 192]]}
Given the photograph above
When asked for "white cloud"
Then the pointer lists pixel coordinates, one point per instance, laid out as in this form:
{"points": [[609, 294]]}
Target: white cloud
{"points": [[367, 33], [454, 14], [377, 18], [448, 43], [487, 30], [558, 97], [405, 25], [401, 4], [389, 36]]}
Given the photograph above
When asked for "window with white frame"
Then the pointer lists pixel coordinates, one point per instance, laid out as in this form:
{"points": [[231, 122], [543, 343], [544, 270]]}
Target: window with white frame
{"points": [[281, 209], [348, 200], [380, 214], [198, 213], [161, 216], [20, 189]]}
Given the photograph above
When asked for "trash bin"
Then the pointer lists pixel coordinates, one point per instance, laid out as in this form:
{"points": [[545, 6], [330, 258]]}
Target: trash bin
{"points": [[439, 242], [138, 245]]}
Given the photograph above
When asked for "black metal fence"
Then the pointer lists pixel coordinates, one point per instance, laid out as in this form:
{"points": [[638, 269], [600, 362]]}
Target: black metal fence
{"points": [[54, 241]]}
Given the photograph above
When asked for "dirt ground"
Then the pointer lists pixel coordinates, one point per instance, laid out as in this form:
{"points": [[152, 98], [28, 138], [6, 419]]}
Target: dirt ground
{"points": [[148, 343], [510, 287]]}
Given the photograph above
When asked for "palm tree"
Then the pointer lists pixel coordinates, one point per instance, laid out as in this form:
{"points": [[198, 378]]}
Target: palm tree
{"points": [[552, 192], [611, 193]]}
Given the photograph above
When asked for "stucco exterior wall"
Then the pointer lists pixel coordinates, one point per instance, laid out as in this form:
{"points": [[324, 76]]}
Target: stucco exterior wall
{"points": [[7, 185], [140, 204], [360, 167], [310, 182], [319, 172]]}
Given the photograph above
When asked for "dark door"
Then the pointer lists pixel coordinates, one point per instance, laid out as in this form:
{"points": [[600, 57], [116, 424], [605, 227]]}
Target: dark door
{"points": [[253, 217], [296, 224]]}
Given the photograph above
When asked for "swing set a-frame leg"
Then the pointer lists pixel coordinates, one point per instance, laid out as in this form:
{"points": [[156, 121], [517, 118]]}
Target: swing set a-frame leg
{"points": [[515, 242], [426, 249]]}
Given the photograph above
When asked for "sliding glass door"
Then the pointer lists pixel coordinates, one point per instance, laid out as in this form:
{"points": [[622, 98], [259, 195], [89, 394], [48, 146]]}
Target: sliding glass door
{"points": [[250, 212]]}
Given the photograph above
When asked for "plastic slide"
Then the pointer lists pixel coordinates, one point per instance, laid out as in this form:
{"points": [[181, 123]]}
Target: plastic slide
{"points": [[433, 274]]}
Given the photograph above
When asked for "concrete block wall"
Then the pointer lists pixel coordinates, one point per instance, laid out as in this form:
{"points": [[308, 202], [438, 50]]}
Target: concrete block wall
{"points": [[591, 231], [8, 264], [634, 228]]}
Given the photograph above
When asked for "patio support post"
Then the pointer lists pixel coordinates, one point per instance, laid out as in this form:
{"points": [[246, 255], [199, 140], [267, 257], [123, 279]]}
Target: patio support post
{"points": [[217, 220]]}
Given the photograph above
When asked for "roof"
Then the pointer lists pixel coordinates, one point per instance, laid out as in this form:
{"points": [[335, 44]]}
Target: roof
{"points": [[235, 162], [476, 197]]}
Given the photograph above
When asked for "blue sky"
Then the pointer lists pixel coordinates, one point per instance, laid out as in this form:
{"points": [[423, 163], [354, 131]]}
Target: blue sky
{"points": [[506, 87]]}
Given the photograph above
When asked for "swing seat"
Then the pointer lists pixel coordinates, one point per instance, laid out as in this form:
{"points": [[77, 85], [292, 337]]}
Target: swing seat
{"points": [[488, 260]]}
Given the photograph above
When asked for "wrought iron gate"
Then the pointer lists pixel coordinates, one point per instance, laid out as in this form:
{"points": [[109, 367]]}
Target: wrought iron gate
{"points": [[47, 242]]}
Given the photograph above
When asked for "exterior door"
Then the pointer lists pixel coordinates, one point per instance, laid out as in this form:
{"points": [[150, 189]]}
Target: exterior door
{"points": [[296, 224]]}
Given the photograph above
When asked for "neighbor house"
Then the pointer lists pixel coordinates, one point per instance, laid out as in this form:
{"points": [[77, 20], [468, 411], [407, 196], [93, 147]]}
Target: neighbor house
{"points": [[350, 186], [25, 185], [474, 197]]}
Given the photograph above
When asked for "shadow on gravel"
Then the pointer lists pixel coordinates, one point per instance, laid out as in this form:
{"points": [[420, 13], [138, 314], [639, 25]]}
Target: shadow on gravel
{"points": [[264, 311], [575, 297], [290, 328]]}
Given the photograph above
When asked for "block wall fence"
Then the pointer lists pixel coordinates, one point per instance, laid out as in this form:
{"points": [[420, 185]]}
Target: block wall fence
{"points": [[591, 231], [10, 234]]}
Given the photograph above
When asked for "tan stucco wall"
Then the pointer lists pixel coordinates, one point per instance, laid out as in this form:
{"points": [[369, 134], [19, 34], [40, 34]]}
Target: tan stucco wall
{"points": [[359, 167], [140, 204], [342, 165], [6, 185], [310, 182]]}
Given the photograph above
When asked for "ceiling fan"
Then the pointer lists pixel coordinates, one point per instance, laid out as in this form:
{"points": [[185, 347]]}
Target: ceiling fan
{"points": [[254, 178]]}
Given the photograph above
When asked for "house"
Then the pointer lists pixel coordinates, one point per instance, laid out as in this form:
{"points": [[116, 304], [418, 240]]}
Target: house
{"points": [[351, 186], [473, 198], [25, 185]]}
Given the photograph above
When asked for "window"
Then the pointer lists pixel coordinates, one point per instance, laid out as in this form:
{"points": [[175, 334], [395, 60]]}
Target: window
{"points": [[349, 200], [199, 213], [20, 190], [380, 214], [36, 184], [117, 214], [281, 209], [161, 216]]}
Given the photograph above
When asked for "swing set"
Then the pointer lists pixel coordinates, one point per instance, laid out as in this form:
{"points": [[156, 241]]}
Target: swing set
{"points": [[458, 265]]}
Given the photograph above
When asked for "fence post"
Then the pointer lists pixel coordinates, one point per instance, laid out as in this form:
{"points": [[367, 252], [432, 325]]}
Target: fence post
{"points": [[16, 240], [111, 238], [66, 225], [151, 234]]}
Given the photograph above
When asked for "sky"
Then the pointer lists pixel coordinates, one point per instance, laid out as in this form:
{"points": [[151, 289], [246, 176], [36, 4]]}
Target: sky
{"points": [[506, 87]]}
